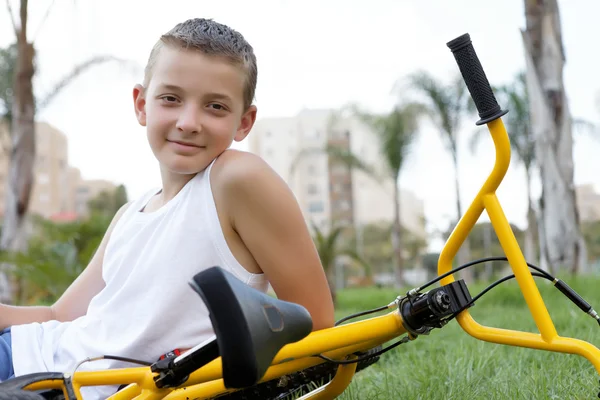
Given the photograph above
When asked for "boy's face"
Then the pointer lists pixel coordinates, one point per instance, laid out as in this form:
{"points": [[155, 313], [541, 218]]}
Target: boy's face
{"points": [[193, 109]]}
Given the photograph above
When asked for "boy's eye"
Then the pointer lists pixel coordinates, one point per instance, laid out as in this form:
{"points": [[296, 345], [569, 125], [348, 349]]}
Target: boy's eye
{"points": [[216, 106], [170, 99]]}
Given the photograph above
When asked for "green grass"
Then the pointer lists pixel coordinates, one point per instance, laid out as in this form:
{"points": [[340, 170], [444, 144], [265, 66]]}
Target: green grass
{"points": [[450, 364]]}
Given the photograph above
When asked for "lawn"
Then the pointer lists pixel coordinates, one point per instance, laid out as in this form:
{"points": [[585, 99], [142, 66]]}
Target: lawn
{"points": [[450, 364]]}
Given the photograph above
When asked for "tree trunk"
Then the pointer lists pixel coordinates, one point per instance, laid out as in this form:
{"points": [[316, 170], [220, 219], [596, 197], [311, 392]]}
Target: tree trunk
{"points": [[20, 177], [465, 249], [397, 237], [560, 239], [531, 230]]}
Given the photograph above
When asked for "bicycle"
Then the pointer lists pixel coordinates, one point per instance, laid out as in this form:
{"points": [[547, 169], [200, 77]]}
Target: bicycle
{"points": [[259, 338]]}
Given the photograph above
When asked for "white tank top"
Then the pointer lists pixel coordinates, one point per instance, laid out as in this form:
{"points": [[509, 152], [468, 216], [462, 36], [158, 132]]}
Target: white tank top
{"points": [[147, 307]]}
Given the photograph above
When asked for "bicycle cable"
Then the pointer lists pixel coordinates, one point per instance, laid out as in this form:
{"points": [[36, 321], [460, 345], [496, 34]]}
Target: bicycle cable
{"points": [[360, 314], [431, 282], [475, 262], [367, 356], [108, 357], [559, 284]]}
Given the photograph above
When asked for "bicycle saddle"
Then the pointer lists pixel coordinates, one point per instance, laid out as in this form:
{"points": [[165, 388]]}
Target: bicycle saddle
{"points": [[251, 327]]}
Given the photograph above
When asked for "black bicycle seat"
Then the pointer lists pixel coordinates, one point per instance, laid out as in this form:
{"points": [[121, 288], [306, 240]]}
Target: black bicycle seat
{"points": [[251, 326]]}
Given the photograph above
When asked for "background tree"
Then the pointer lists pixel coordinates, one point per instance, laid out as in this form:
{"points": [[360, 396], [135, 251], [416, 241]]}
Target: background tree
{"points": [[447, 106], [396, 133], [8, 63], [22, 130], [514, 97], [108, 202], [591, 233], [56, 254], [331, 248], [561, 241]]}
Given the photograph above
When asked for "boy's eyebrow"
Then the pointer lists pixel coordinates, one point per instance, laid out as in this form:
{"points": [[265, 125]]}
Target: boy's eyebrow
{"points": [[218, 96], [168, 86]]}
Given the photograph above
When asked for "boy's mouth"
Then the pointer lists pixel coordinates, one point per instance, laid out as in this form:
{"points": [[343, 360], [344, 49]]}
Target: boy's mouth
{"points": [[185, 144]]}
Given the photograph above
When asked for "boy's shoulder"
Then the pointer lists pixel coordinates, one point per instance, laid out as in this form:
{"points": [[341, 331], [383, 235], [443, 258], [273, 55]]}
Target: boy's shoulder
{"points": [[244, 182], [236, 170]]}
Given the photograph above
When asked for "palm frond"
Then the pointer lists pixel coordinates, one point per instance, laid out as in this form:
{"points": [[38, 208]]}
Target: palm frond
{"points": [[396, 132], [581, 125], [350, 160], [446, 104], [514, 97], [77, 71], [353, 254], [476, 137], [326, 245]]}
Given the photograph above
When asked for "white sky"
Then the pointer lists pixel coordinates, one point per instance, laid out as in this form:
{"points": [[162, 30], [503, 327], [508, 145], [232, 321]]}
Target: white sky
{"points": [[312, 54]]}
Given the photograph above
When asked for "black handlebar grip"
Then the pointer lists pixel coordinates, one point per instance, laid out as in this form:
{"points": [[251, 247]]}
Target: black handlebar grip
{"points": [[475, 78]]}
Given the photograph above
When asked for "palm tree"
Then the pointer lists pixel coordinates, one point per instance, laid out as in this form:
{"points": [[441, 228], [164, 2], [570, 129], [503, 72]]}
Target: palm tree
{"points": [[329, 249], [21, 107], [518, 124], [446, 106], [396, 133]]}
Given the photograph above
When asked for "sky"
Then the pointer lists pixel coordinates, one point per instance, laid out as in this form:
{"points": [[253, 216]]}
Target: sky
{"points": [[311, 54]]}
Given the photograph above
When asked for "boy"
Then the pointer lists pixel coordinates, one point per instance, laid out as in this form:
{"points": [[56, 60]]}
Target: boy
{"points": [[216, 207]]}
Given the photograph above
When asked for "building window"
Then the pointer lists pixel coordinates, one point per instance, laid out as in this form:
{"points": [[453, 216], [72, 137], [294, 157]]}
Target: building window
{"points": [[339, 169], [43, 179], [337, 187], [345, 205], [344, 222], [315, 206], [44, 198], [312, 170], [312, 189]]}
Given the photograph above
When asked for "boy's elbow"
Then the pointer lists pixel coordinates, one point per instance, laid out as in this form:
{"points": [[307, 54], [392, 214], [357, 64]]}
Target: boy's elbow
{"points": [[323, 323], [323, 318]]}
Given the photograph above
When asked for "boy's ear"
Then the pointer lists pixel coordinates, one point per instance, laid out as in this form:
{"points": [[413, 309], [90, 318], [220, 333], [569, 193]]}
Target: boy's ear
{"points": [[139, 104], [246, 124]]}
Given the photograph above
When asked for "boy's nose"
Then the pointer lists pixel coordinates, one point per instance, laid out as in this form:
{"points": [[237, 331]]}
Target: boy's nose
{"points": [[189, 121]]}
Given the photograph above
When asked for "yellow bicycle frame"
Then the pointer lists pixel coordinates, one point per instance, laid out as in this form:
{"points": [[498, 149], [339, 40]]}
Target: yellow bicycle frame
{"points": [[344, 340], [548, 338]]}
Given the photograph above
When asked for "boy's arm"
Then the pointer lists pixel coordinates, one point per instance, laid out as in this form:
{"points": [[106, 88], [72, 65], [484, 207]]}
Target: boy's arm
{"points": [[74, 302], [266, 216]]}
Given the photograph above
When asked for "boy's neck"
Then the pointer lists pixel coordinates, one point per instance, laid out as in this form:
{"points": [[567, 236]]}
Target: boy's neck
{"points": [[172, 184]]}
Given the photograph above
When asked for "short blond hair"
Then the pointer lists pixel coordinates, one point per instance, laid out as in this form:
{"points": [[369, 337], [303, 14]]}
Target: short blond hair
{"points": [[213, 39]]}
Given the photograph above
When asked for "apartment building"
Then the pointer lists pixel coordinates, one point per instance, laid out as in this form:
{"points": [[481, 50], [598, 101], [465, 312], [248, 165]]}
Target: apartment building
{"points": [[59, 192], [327, 189]]}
